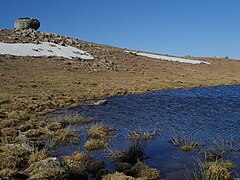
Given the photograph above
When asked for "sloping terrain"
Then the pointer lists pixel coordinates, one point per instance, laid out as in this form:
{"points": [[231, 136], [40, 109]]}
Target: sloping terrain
{"points": [[46, 78], [112, 72]]}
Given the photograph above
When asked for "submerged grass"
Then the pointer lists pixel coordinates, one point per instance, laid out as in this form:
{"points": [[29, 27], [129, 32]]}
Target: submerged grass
{"points": [[131, 155], [219, 150], [184, 142], [114, 153], [142, 135]]}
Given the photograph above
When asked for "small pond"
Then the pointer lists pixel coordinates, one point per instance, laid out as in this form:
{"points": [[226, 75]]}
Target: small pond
{"points": [[206, 114]]}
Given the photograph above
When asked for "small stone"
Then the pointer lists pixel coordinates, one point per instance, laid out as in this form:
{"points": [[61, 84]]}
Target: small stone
{"points": [[100, 102]]}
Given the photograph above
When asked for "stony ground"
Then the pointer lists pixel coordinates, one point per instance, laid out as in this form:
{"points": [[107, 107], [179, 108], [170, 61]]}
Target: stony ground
{"points": [[32, 86]]}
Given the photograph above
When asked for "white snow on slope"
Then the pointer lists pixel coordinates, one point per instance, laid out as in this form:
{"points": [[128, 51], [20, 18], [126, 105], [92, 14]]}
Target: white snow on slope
{"points": [[43, 49], [168, 58]]}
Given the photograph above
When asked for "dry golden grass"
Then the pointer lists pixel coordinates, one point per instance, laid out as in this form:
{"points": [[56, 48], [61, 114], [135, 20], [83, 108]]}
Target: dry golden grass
{"points": [[9, 132], [37, 155], [32, 87], [62, 137], [54, 126], [95, 144], [140, 170], [184, 142], [117, 176], [34, 133], [8, 173], [76, 119], [13, 156], [142, 135], [216, 170], [100, 131], [49, 173], [77, 162]]}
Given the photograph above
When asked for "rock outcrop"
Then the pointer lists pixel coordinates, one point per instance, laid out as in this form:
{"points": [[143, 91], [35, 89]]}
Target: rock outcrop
{"points": [[26, 23]]}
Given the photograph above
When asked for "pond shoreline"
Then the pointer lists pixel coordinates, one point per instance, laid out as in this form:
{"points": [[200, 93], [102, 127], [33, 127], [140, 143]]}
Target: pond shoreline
{"points": [[33, 87], [39, 123]]}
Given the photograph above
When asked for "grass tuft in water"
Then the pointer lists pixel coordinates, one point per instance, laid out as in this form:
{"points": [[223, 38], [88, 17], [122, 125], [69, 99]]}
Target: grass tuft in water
{"points": [[184, 142], [131, 155], [100, 131], [142, 135], [76, 119], [216, 170], [95, 144], [219, 150], [77, 162], [114, 153], [62, 137], [140, 170], [117, 176]]}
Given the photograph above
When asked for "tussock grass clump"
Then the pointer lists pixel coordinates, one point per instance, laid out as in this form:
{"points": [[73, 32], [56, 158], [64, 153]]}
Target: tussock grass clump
{"points": [[7, 123], [184, 142], [62, 137], [11, 174], [117, 176], [131, 155], [24, 127], [77, 162], [7, 173], [75, 119], [122, 167], [140, 170], [35, 133], [49, 173], [114, 154], [219, 150], [95, 144], [217, 170], [99, 131], [8, 140], [142, 135], [38, 156], [8, 132], [54, 126], [21, 115], [13, 156]]}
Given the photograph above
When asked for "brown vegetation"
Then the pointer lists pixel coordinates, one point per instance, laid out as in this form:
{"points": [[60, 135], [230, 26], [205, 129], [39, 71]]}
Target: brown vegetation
{"points": [[34, 86]]}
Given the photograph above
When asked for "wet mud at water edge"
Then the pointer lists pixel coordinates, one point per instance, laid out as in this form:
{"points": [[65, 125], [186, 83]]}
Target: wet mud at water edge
{"points": [[207, 115]]}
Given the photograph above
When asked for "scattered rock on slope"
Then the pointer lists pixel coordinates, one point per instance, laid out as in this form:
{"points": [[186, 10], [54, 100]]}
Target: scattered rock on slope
{"points": [[26, 23]]}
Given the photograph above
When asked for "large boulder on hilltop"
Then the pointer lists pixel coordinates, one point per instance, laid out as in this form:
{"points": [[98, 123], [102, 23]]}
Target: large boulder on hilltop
{"points": [[26, 23]]}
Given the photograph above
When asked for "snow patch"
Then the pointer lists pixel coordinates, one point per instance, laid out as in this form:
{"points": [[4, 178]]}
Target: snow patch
{"points": [[168, 58], [43, 49]]}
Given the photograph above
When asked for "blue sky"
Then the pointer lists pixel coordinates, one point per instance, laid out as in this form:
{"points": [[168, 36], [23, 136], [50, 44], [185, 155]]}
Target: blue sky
{"points": [[176, 27]]}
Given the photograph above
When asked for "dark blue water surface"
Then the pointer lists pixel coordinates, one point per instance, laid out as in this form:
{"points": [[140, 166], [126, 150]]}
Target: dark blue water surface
{"points": [[204, 113]]}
